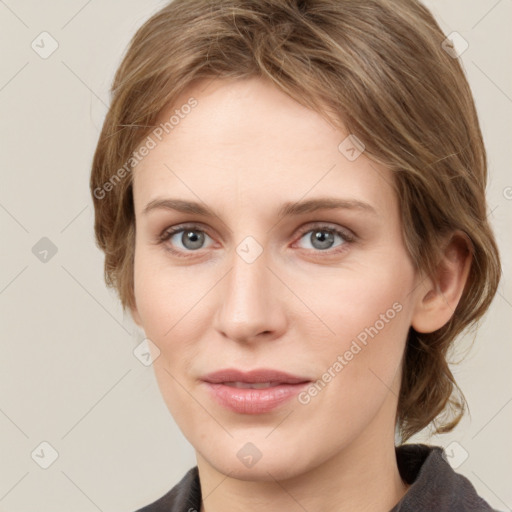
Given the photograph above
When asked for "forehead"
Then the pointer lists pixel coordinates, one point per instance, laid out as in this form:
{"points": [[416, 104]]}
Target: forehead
{"points": [[246, 139]]}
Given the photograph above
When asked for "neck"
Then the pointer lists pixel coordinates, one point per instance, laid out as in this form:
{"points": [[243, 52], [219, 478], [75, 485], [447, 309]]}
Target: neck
{"points": [[363, 476]]}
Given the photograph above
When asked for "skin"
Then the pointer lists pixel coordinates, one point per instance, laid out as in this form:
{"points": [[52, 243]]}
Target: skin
{"points": [[243, 151]]}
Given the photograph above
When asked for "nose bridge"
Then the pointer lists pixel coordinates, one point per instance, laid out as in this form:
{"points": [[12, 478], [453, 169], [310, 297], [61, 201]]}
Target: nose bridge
{"points": [[249, 302]]}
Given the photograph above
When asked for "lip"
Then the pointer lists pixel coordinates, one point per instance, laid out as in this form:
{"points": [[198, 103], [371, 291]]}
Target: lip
{"points": [[284, 386], [253, 376]]}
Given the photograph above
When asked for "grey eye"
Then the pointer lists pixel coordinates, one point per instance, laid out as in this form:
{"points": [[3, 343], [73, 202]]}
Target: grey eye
{"points": [[322, 239], [191, 239]]}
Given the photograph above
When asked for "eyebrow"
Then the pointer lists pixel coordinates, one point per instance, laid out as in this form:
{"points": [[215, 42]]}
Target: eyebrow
{"points": [[287, 209]]}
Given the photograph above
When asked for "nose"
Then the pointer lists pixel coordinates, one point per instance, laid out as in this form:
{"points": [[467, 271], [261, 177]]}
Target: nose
{"points": [[251, 306]]}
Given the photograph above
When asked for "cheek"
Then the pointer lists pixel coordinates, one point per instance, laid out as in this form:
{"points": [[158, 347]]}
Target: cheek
{"points": [[162, 296], [363, 303], [168, 316], [372, 352], [171, 304], [369, 314]]}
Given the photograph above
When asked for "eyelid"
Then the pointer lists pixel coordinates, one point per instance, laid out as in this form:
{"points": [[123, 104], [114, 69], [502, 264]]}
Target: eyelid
{"points": [[347, 234], [168, 232]]}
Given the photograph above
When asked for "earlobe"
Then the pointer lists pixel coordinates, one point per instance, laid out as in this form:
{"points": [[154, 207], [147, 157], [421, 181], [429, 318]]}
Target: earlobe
{"points": [[440, 294]]}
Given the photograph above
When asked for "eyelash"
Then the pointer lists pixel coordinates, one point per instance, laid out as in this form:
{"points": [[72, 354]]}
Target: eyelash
{"points": [[347, 236]]}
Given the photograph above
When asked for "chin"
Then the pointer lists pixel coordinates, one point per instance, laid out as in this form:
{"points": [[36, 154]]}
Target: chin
{"points": [[263, 471], [272, 462]]}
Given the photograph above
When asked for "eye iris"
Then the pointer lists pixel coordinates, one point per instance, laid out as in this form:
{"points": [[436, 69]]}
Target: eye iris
{"points": [[325, 241], [196, 238]]}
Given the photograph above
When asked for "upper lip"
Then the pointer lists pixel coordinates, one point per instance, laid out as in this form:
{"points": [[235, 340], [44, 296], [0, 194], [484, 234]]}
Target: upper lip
{"points": [[253, 376]]}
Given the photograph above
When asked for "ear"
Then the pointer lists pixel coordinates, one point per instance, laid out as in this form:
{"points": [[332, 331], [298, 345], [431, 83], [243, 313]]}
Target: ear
{"points": [[441, 293]]}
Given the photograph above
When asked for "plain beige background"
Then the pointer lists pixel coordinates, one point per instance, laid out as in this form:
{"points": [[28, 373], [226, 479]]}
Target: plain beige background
{"points": [[68, 375]]}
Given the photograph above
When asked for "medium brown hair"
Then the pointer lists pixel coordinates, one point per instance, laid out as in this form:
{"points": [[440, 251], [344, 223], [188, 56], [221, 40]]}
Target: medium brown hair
{"points": [[377, 69]]}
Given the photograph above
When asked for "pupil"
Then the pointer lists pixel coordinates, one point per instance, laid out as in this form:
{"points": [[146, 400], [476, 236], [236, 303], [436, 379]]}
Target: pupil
{"points": [[324, 237], [193, 238]]}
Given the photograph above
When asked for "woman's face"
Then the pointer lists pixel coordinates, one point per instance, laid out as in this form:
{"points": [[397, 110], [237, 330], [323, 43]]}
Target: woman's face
{"points": [[268, 281]]}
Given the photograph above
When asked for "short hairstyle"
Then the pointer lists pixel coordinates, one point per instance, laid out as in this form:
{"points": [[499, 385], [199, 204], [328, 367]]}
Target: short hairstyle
{"points": [[377, 69]]}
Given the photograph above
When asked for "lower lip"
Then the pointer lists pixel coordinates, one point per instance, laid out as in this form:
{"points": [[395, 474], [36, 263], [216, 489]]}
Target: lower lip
{"points": [[254, 401]]}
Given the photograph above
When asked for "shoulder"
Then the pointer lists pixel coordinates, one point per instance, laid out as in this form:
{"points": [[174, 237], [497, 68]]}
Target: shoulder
{"points": [[434, 485], [185, 496]]}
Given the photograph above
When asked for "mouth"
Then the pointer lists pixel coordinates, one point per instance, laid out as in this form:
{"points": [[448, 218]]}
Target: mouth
{"points": [[254, 392], [258, 376], [251, 385]]}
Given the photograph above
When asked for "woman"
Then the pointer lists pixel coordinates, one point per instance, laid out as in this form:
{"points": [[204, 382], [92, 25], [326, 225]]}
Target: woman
{"points": [[291, 199]]}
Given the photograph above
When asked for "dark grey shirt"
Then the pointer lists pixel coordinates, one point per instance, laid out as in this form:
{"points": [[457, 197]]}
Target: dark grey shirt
{"points": [[435, 486]]}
